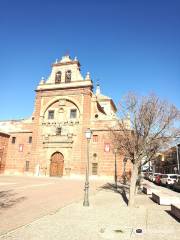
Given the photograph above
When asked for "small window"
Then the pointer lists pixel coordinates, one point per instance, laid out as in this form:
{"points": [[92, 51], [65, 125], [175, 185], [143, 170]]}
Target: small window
{"points": [[27, 166], [30, 139], [96, 116], [95, 138], [13, 140], [58, 77], [73, 113], [94, 168], [51, 114], [68, 76]]}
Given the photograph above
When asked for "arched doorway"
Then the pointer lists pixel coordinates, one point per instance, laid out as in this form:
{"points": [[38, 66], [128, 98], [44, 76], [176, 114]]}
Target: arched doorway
{"points": [[57, 165]]}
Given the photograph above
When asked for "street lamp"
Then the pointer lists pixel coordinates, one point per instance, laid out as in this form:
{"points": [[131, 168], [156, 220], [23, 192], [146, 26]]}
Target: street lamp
{"points": [[124, 169], [115, 167], [88, 134], [177, 152]]}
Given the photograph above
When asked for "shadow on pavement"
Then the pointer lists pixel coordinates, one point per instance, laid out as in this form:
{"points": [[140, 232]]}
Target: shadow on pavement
{"points": [[9, 199], [121, 189], [169, 212], [150, 197]]}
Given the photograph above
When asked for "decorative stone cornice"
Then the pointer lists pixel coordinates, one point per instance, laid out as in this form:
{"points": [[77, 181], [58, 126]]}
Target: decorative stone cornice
{"points": [[66, 63], [76, 84]]}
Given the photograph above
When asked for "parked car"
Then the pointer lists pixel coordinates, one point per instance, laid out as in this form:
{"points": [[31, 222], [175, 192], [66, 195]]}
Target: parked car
{"points": [[168, 179], [147, 174], [153, 176], [176, 185], [158, 179]]}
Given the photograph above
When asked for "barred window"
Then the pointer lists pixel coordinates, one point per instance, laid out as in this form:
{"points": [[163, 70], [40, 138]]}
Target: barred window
{"points": [[13, 140], [94, 168], [95, 138], [27, 166], [30, 139], [73, 113], [51, 114]]}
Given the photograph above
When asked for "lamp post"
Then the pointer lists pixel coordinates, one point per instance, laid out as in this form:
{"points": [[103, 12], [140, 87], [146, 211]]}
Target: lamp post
{"points": [[124, 169], [86, 188], [115, 168], [177, 152]]}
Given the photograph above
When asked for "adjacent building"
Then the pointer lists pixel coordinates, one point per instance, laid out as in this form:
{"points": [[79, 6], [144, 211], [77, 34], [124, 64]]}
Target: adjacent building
{"points": [[168, 161], [52, 141], [4, 139]]}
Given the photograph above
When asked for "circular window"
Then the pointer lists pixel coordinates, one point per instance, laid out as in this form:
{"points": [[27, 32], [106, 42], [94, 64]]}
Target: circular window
{"points": [[96, 115], [95, 155]]}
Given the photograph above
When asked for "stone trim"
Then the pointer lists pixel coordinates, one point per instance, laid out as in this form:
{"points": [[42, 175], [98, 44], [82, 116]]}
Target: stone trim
{"points": [[66, 63], [62, 86], [21, 132]]}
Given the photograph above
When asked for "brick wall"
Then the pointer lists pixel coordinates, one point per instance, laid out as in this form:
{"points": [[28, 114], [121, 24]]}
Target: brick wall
{"points": [[19, 153], [4, 138]]}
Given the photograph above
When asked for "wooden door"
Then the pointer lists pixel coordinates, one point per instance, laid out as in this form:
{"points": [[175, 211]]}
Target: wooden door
{"points": [[57, 165]]}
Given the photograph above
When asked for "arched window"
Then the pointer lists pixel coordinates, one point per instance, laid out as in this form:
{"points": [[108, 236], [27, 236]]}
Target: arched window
{"points": [[68, 76], [58, 77]]}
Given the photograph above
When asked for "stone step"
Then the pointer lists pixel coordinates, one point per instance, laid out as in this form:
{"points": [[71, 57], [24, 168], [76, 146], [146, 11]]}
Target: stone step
{"points": [[148, 190], [165, 199]]}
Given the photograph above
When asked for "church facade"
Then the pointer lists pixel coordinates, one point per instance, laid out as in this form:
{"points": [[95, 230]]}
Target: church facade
{"points": [[52, 141]]}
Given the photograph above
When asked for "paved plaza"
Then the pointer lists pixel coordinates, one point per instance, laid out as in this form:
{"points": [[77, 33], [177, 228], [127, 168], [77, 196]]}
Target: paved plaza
{"points": [[25, 199], [107, 217]]}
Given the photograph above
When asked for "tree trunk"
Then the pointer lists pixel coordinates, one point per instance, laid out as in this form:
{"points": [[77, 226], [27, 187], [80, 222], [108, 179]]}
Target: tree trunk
{"points": [[133, 186]]}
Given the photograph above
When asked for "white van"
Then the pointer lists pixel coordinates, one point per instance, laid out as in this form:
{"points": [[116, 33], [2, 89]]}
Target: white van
{"points": [[168, 179]]}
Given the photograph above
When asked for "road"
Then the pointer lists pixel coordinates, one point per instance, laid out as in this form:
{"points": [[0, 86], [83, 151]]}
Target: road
{"points": [[25, 199]]}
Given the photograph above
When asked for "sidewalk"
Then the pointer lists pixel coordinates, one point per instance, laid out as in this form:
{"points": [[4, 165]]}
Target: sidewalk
{"points": [[107, 217]]}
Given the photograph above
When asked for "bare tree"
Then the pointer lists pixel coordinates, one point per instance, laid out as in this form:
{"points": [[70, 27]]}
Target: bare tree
{"points": [[146, 126]]}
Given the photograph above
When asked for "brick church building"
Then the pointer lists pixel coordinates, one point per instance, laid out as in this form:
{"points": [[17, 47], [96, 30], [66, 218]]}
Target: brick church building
{"points": [[52, 141]]}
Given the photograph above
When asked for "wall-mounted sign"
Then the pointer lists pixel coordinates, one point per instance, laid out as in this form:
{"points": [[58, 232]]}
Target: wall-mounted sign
{"points": [[107, 147], [20, 147]]}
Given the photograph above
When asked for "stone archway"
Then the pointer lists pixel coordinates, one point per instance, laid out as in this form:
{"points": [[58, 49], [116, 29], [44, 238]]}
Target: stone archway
{"points": [[56, 165]]}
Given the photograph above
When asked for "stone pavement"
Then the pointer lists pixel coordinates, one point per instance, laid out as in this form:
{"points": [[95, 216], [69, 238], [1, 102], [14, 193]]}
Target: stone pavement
{"points": [[26, 199], [107, 217]]}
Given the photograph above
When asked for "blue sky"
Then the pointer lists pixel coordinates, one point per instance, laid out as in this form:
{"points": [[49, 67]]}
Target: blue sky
{"points": [[131, 45]]}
